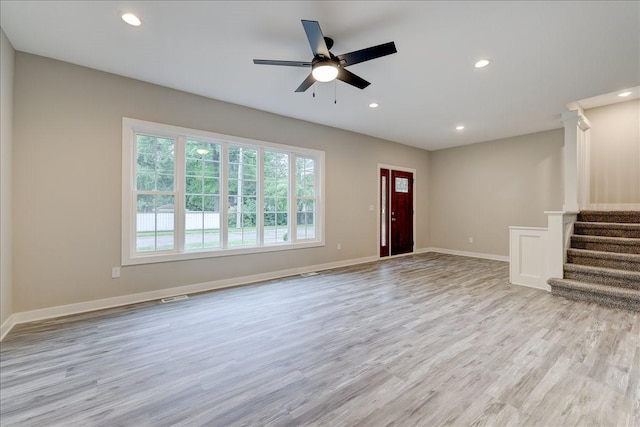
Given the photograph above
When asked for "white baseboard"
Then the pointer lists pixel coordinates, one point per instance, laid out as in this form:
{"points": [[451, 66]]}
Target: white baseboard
{"points": [[543, 287], [7, 325], [423, 250], [101, 304], [468, 254]]}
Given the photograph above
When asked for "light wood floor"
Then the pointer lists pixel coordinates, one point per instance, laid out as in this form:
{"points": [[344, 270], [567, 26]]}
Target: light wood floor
{"points": [[423, 340]]}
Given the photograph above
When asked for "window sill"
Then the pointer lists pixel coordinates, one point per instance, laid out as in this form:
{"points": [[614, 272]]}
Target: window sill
{"points": [[216, 253]]}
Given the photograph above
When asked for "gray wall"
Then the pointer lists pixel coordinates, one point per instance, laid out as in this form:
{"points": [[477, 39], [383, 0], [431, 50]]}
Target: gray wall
{"points": [[7, 56], [67, 177], [480, 190], [615, 153], [67, 183]]}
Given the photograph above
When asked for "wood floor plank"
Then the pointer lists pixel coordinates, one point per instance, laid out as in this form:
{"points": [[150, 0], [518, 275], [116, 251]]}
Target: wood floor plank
{"points": [[423, 340]]}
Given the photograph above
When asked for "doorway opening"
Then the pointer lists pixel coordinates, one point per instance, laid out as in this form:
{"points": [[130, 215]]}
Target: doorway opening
{"points": [[396, 212]]}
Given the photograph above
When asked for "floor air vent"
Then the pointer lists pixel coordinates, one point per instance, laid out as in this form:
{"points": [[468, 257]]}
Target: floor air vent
{"points": [[311, 273], [172, 299]]}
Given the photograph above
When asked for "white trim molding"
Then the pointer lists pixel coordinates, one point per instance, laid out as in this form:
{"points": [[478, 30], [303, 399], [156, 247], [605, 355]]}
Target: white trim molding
{"points": [[101, 304], [492, 257], [7, 326]]}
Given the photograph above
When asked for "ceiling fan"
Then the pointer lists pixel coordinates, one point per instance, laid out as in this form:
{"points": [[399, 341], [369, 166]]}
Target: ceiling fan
{"points": [[325, 66]]}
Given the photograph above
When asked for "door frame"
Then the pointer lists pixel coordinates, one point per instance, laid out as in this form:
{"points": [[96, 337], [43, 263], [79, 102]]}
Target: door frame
{"points": [[415, 207]]}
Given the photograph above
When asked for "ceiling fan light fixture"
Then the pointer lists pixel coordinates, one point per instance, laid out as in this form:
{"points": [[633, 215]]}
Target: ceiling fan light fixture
{"points": [[325, 66], [324, 72]]}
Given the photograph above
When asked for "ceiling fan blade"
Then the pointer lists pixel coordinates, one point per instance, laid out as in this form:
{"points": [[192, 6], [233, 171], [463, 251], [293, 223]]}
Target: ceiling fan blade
{"points": [[367, 54], [316, 39], [287, 63], [350, 78], [306, 84]]}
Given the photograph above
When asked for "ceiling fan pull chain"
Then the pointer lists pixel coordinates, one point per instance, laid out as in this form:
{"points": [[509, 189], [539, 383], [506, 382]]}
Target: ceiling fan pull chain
{"points": [[335, 92]]}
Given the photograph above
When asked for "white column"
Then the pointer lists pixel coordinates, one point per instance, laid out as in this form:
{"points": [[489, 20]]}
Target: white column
{"points": [[570, 121], [576, 164], [584, 164]]}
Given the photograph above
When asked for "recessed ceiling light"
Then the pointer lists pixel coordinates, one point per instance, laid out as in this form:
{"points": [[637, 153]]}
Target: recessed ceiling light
{"points": [[623, 94], [482, 63], [374, 105], [131, 19], [459, 127]]}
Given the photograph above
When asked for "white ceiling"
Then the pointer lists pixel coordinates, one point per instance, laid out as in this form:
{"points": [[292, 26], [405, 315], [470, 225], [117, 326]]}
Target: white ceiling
{"points": [[544, 56]]}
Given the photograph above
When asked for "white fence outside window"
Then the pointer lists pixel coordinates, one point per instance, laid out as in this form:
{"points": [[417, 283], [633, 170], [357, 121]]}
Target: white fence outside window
{"points": [[146, 221]]}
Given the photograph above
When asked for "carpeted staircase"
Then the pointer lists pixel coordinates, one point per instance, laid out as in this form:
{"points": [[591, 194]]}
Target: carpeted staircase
{"points": [[603, 263]]}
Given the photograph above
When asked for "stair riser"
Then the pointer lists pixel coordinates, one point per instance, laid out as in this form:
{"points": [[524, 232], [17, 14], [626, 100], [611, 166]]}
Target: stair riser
{"points": [[601, 279], [607, 300], [606, 247], [632, 217], [606, 232], [603, 262]]}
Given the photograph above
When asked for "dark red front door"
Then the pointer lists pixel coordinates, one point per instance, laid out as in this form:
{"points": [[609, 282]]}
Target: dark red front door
{"points": [[401, 212], [396, 212]]}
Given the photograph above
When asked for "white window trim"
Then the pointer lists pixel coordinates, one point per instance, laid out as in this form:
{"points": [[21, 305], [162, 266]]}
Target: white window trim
{"points": [[129, 256]]}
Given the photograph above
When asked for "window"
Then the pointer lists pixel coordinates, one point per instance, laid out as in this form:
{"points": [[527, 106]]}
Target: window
{"points": [[155, 193], [202, 195], [402, 185], [305, 198], [192, 194], [243, 196], [276, 197]]}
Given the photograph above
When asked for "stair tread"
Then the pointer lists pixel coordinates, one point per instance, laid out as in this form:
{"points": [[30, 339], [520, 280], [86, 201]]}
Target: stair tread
{"points": [[596, 212], [603, 263], [611, 272], [603, 254], [616, 225], [627, 293], [619, 240], [623, 217]]}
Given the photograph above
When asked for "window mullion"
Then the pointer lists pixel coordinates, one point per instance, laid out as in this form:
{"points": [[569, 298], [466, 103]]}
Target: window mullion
{"points": [[317, 199], [133, 211], [293, 200], [179, 180], [259, 197], [224, 202]]}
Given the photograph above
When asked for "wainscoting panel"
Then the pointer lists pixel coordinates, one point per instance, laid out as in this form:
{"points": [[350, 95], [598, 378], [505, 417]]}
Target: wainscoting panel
{"points": [[526, 249]]}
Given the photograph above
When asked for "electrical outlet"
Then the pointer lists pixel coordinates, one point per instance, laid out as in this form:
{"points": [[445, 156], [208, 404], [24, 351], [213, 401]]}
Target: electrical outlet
{"points": [[470, 239], [372, 208], [339, 246], [115, 272]]}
